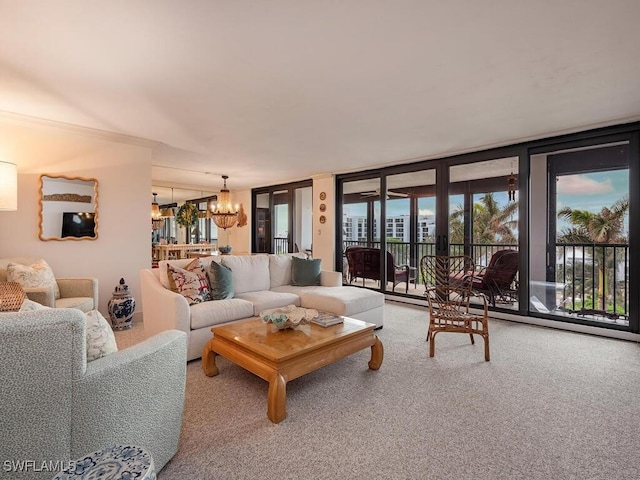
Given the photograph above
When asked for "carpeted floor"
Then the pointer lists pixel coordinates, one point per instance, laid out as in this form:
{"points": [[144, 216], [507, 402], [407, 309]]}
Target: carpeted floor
{"points": [[550, 405]]}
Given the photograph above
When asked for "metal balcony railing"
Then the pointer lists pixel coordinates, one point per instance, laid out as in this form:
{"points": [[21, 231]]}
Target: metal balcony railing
{"points": [[593, 278]]}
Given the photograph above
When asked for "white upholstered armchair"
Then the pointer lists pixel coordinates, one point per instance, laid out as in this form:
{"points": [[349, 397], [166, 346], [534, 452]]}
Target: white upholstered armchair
{"points": [[56, 406], [80, 292]]}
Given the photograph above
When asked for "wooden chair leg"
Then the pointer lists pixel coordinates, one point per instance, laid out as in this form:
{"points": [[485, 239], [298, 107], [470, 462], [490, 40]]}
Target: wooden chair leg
{"points": [[473, 342], [486, 347]]}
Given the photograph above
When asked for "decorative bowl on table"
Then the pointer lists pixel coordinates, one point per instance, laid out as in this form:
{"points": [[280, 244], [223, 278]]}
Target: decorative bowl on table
{"points": [[288, 317], [225, 249]]}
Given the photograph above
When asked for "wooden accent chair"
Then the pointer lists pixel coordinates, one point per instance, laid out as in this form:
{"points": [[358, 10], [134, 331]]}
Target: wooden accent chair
{"points": [[364, 262], [448, 291], [498, 279]]}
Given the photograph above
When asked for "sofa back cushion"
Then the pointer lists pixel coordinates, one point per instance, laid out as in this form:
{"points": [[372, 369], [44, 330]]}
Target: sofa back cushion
{"points": [[280, 268], [250, 272]]}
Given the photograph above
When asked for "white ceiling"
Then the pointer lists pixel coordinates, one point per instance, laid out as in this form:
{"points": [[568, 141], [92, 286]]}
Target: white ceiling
{"points": [[275, 91]]}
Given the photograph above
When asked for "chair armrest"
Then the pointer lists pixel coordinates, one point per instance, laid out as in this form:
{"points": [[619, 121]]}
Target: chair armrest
{"points": [[79, 287], [42, 295], [162, 309], [330, 279], [134, 396]]}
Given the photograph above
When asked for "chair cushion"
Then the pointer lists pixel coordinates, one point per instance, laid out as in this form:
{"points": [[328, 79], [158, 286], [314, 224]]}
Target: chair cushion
{"points": [[81, 303], [190, 282], [250, 272], [220, 281], [38, 274], [305, 271], [267, 299]]}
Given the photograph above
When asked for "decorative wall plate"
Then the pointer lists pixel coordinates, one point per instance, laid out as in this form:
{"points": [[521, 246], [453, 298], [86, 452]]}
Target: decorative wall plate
{"points": [[323, 195], [323, 207], [323, 219]]}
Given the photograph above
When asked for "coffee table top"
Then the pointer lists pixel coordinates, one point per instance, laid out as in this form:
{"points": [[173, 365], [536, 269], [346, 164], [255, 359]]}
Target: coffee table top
{"points": [[278, 345]]}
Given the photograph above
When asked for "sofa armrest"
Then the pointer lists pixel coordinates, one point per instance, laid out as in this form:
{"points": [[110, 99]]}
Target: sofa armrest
{"points": [[42, 295], [330, 279], [162, 309], [79, 287], [134, 396]]}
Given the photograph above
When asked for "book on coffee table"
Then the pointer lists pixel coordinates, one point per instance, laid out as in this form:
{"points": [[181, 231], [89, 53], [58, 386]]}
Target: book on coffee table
{"points": [[327, 319]]}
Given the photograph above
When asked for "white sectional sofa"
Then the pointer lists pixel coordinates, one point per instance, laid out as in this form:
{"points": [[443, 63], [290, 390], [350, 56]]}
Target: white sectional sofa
{"points": [[260, 282]]}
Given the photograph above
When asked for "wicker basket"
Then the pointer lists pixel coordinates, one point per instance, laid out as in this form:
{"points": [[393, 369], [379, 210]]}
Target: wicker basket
{"points": [[11, 296]]}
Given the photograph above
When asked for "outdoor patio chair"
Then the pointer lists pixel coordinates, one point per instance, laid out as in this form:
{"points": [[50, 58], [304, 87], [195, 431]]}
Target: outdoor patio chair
{"points": [[498, 279], [448, 282]]}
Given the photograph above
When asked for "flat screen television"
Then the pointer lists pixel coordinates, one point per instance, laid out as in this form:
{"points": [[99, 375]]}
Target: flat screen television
{"points": [[78, 224]]}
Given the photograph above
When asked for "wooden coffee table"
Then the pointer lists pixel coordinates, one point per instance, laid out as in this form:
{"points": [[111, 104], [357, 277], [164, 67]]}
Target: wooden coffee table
{"points": [[278, 356]]}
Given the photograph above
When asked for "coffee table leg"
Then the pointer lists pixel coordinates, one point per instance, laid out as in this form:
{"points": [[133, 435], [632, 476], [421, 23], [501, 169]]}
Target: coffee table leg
{"points": [[209, 360], [377, 353], [277, 398]]}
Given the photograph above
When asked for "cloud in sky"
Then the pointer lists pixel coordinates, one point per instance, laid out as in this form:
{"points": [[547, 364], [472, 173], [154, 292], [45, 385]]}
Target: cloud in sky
{"points": [[426, 211], [582, 185]]}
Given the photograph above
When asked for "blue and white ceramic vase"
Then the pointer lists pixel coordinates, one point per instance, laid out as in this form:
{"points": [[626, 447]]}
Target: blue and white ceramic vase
{"points": [[121, 307]]}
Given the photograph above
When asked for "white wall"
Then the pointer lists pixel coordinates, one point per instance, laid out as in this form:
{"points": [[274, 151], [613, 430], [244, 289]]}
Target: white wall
{"points": [[123, 171]]}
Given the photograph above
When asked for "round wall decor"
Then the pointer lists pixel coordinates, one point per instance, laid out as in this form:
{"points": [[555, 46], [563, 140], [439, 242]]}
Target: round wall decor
{"points": [[323, 219], [323, 195], [323, 207]]}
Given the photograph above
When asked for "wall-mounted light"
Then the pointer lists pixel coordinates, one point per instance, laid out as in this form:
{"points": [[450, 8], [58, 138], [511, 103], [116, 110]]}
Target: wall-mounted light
{"points": [[8, 186]]}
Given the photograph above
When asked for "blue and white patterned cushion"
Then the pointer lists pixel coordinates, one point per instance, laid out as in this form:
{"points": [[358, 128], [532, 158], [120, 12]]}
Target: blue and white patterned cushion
{"points": [[118, 461]]}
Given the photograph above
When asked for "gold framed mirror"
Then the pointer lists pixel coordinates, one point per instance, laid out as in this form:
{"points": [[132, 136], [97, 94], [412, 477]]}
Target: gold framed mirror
{"points": [[68, 208]]}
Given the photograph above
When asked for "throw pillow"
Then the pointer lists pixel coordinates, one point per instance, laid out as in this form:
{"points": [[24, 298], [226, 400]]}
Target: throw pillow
{"points": [[100, 338], [191, 284], [221, 281], [305, 271], [30, 306], [36, 275]]}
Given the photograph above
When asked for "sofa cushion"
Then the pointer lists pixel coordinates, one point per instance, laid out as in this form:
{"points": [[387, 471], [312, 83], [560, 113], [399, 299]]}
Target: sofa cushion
{"points": [[208, 314], [305, 271], [100, 338], [250, 272], [81, 303], [267, 299], [190, 282], [38, 274], [182, 263], [341, 300], [220, 281], [280, 268]]}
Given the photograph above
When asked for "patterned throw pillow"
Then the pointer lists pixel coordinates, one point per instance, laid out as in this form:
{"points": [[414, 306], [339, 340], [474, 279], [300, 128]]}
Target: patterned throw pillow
{"points": [[190, 282], [33, 276], [100, 338]]}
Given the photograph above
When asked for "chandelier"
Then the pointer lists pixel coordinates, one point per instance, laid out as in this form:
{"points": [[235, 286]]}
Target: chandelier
{"points": [[157, 221], [222, 213]]}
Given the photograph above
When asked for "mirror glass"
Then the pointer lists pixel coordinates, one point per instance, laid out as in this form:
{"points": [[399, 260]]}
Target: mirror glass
{"points": [[68, 208]]}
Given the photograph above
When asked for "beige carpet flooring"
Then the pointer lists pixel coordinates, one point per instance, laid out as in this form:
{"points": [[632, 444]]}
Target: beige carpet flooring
{"points": [[551, 404]]}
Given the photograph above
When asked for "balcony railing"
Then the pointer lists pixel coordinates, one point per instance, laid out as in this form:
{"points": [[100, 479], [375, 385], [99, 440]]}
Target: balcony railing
{"points": [[593, 278], [280, 245]]}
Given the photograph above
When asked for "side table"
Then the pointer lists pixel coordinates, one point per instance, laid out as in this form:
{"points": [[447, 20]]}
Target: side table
{"points": [[112, 463]]}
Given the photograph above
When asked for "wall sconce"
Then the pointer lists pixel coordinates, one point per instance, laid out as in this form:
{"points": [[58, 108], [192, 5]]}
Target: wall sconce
{"points": [[8, 186]]}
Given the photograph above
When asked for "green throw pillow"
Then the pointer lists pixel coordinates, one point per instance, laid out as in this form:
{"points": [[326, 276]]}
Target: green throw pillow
{"points": [[221, 281], [305, 271]]}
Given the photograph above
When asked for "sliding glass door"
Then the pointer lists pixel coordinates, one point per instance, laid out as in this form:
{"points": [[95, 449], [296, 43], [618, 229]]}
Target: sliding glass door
{"points": [[579, 268]]}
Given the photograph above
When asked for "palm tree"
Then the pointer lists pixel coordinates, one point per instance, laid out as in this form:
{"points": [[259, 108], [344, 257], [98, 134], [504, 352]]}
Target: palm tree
{"points": [[606, 227], [492, 223]]}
